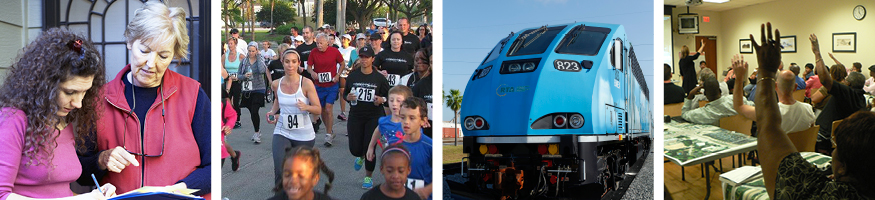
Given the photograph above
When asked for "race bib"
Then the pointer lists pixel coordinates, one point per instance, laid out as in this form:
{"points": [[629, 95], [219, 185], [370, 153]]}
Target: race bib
{"points": [[293, 122], [413, 183], [430, 107], [365, 94], [246, 85], [324, 77], [394, 79]]}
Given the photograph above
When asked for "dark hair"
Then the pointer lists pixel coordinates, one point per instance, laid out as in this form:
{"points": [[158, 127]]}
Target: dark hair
{"points": [[838, 72], [858, 66], [234, 30], [395, 149], [811, 66], [871, 68], [293, 29], [666, 72], [310, 154], [854, 140], [712, 87], [32, 86], [702, 62], [416, 103], [287, 40]]}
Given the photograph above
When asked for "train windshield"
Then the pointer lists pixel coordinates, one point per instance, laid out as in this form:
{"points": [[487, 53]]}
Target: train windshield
{"points": [[495, 51], [583, 40], [534, 41]]}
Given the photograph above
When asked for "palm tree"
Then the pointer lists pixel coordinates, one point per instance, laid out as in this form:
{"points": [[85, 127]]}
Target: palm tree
{"points": [[454, 102]]}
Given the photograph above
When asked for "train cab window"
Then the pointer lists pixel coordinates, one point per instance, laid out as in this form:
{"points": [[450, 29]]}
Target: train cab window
{"points": [[495, 51], [616, 54], [583, 41], [534, 41]]}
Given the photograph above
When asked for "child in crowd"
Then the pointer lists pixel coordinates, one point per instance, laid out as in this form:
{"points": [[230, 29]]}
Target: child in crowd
{"points": [[395, 166], [229, 116], [389, 130], [414, 114], [301, 169]]}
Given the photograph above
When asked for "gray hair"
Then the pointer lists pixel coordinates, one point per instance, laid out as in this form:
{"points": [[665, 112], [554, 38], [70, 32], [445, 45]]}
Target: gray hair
{"points": [[321, 35], [155, 22], [856, 80]]}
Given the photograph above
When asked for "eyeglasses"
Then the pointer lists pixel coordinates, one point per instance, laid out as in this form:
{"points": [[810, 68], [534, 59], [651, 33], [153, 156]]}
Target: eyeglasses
{"points": [[833, 140], [163, 129]]}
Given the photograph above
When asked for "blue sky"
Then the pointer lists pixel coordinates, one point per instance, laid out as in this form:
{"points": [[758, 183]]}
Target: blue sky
{"points": [[472, 28]]}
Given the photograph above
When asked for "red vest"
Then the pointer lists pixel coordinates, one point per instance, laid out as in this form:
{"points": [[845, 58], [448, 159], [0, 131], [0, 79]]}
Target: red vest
{"points": [[181, 155]]}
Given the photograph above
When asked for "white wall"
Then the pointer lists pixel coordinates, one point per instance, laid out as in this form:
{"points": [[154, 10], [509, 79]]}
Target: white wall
{"points": [[20, 23], [791, 17], [711, 28]]}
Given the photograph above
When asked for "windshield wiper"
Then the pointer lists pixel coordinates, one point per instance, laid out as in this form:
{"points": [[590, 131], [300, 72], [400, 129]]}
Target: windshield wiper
{"points": [[523, 42], [574, 33]]}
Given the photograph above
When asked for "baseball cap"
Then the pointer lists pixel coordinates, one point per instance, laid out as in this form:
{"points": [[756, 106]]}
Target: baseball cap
{"points": [[376, 36], [366, 51], [299, 38], [347, 36], [360, 36]]}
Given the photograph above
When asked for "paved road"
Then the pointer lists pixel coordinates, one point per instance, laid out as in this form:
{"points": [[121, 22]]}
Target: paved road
{"points": [[254, 179]]}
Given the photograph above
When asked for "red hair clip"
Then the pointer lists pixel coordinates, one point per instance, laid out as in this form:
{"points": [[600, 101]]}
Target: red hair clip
{"points": [[76, 45]]}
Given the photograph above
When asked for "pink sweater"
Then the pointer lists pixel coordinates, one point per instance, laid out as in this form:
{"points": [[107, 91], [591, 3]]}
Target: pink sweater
{"points": [[229, 116], [35, 181]]}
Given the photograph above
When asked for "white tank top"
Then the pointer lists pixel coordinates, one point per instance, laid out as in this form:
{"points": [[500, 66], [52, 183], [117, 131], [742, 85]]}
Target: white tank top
{"points": [[293, 123]]}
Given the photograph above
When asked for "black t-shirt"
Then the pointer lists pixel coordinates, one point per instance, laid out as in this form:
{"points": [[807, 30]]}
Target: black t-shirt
{"points": [[414, 78], [376, 194], [422, 89], [844, 102], [316, 196], [276, 69], [396, 63], [673, 93], [304, 50], [410, 45], [688, 71], [368, 86]]}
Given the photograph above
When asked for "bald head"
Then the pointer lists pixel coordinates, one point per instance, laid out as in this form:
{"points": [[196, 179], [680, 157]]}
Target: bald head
{"points": [[786, 83]]}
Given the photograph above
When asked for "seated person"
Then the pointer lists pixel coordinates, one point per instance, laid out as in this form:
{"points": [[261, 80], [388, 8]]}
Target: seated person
{"points": [[847, 98], [786, 174], [819, 98], [798, 116], [718, 107], [724, 89], [869, 87], [800, 84], [673, 93]]}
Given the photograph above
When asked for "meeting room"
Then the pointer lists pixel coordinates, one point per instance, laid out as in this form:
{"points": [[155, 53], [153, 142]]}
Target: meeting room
{"points": [[768, 98]]}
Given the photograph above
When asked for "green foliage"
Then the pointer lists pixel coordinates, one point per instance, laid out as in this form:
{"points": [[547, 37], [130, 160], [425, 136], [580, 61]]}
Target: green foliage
{"points": [[283, 13], [284, 29]]}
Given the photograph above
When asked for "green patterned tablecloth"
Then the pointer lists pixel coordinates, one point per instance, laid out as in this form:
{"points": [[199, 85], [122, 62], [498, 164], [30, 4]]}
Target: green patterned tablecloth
{"points": [[689, 144], [756, 189]]}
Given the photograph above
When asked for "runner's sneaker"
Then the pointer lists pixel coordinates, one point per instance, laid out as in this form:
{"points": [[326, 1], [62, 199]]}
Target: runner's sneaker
{"points": [[358, 163], [368, 183], [329, 139], [342, 116], [237, 125], [235, 161], [256, 137], [316, 125]]}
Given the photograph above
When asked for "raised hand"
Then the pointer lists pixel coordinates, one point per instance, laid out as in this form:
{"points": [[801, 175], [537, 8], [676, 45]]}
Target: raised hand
{"points": [[739, 65], [769, 53], [815, 46]]}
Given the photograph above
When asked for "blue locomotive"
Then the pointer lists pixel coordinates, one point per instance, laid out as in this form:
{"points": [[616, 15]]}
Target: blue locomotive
{"points": [[564, 106]]}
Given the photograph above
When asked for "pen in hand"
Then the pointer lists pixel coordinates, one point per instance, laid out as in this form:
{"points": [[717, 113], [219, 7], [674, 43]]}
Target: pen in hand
{"points": [[96, 183]]}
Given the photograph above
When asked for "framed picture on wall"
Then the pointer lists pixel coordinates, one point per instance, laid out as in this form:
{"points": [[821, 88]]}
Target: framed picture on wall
{"points": [[788, 43], [745, 46], [844, 42]]}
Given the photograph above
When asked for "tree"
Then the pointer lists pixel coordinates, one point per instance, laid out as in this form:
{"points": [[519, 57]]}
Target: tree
{"points": [[231, 14], [362, 10], [282, 13], [413, 8], [331, 14], [454, 102]]}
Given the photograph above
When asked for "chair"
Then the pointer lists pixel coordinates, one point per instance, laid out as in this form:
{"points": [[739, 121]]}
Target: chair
{"points": [[805, 140], [833, 132], [673, 109], [737, 123], [799, 95]]}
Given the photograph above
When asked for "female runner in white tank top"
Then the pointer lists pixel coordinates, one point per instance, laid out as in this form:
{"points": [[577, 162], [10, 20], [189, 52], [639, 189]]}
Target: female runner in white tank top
{"points": [[295, 100]]}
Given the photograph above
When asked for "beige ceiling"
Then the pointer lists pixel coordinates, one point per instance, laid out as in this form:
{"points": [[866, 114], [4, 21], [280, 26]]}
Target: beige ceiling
{"points": [[717, 7]]}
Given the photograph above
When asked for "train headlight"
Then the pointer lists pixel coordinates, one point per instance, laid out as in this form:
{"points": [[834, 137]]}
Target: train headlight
{"points": [[514, 68], [476, 123], [576, 121], [469, 123], [483, 149], [553, 149], [529, 66], [559, 121]]}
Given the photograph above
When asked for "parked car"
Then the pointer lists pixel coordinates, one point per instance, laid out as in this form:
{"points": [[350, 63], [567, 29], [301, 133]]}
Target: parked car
{"points": [[382, 22]]}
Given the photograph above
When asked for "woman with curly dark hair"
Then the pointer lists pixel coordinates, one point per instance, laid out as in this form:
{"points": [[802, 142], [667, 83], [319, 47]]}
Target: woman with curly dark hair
{"points": [[48, 106]]}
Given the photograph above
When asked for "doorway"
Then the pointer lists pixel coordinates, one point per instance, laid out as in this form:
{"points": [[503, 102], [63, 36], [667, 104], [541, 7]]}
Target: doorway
{"points": [[710, 52]]}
